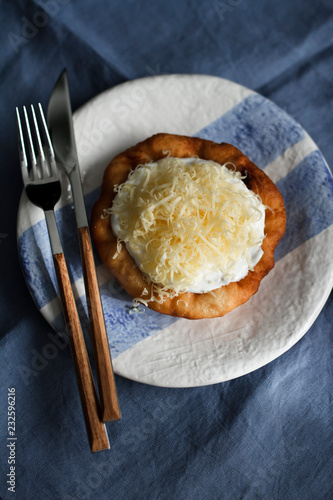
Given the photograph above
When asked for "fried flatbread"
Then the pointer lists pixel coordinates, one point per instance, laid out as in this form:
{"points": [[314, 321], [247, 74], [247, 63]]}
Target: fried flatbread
{"points": [[123, 267]]}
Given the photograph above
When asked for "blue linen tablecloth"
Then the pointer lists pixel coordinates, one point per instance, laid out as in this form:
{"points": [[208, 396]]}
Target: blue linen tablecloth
{"points": [[267, 434]]}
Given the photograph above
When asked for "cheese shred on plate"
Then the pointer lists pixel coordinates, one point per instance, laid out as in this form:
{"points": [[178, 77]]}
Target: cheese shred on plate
{"points": [[190, 224]]}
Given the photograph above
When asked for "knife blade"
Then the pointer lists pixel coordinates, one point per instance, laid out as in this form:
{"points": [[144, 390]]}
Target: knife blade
{"points": [[60, 123]]}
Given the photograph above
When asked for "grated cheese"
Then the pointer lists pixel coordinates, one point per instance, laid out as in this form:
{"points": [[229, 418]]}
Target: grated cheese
{"points": [[190, 224]]}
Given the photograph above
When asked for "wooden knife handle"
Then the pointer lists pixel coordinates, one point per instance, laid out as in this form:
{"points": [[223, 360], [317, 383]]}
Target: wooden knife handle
{"points": [[105, 377], [97, 434]]}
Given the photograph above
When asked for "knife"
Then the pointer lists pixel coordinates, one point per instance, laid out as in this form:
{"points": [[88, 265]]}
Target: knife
{"points": [[60, 123]]}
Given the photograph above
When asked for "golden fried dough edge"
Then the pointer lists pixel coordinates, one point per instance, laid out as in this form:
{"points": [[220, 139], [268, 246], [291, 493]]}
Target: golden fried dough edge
{"points": [[123, 267]]}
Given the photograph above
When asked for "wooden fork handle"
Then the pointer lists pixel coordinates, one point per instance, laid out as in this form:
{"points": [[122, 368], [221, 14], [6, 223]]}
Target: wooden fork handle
{"points": [[97, 435], [105, 377]]}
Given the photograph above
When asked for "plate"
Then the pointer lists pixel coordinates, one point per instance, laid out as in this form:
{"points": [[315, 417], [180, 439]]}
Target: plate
{"points": [[157, 349]]}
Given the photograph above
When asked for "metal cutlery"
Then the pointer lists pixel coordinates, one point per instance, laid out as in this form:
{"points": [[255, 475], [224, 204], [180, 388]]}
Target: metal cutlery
{"points": [[43, 188]]}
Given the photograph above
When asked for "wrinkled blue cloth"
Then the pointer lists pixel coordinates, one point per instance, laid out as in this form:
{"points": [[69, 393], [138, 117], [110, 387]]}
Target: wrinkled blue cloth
{"points": [[266, 435]]}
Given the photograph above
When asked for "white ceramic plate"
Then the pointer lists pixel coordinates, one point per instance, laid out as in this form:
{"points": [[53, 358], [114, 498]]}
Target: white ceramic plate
{"points": [[165, 351]]}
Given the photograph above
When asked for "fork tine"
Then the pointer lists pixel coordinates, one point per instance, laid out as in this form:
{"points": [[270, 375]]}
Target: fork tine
{"points": [[31, 146], [53, 166], [47, 135], [23, 155], [39, 141], [43, 165]]}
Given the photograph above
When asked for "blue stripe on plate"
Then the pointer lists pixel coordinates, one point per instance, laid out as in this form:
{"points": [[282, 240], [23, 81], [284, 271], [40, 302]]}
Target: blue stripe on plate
{"points": [[37, 263], [259, 128], [36, 257], [308, 196]]}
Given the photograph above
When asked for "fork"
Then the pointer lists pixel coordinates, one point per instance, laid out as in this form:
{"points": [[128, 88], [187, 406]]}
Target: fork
{"points": [[43, 188]]}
